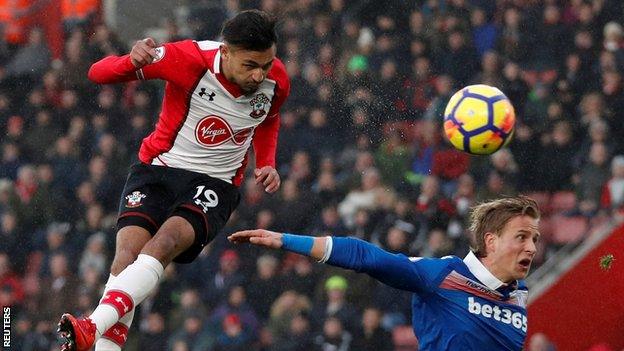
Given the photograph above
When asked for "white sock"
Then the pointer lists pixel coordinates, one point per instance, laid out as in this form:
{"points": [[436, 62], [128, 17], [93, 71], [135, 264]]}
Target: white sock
{"points": [[126, 291], [106, 344]]}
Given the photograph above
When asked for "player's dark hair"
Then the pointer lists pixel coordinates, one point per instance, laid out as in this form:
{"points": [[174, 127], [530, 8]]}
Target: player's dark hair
{"points": [[250, 30], [491, 217]]}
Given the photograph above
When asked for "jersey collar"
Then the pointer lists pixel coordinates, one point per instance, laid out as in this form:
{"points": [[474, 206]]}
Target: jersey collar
{"points": [[481, 272], [231, 88]]}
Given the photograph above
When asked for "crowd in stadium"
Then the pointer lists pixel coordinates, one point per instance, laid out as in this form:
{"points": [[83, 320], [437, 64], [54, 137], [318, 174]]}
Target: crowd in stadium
{"points": [[361, 153]]}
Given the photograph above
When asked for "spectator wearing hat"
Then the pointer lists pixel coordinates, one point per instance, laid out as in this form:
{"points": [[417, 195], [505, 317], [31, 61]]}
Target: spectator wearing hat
{"points": [[228, 275], [237, 304], [335, 304], [233, 336]]}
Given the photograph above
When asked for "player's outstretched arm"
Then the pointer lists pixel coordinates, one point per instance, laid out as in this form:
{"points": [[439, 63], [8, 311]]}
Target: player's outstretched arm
{"points": [[395, 270], [304, 245], [117, 69]]}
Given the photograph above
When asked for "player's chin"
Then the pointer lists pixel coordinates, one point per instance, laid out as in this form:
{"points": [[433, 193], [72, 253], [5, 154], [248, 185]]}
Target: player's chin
{"points": [[250, 89]]}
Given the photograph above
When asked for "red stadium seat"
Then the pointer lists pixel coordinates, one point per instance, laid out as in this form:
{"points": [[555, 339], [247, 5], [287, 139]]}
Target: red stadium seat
{"points": [[568, 229], [404, 339], [563, 201]]}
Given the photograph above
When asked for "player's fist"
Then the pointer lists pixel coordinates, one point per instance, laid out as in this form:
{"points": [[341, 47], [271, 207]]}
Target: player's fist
{"points": [[269, 178], [143, 52], [258, 237]]}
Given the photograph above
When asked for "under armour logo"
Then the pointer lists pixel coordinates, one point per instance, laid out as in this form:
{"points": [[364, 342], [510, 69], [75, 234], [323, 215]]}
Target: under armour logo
{"points": [[120, 301], [202, 92]]}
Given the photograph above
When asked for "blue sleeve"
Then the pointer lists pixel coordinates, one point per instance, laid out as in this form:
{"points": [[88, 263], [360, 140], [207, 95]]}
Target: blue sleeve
{"points": [[396, 270]]}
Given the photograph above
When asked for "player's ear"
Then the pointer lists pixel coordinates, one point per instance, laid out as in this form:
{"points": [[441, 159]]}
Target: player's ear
{"points": [[490, 242], [225, 51]]}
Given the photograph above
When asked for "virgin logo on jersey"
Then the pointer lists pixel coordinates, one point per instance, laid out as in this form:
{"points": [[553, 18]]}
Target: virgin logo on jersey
{"points": [[504, 315], [214, 130]]}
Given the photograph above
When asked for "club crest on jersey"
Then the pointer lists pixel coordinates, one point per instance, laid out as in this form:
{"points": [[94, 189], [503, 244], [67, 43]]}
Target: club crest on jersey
{"points": [[258, 104], [160, 53], [134, 199]]}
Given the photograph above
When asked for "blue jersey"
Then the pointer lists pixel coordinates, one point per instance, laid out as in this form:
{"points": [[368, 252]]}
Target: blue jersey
{"points": [[457, 304]]}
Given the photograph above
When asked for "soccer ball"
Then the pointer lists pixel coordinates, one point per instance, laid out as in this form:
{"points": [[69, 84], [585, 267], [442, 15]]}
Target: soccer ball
{"points": [[479, 119]]}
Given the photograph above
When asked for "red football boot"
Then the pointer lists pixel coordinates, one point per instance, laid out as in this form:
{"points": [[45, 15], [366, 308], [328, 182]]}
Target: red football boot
{"points": [[79, 333]]}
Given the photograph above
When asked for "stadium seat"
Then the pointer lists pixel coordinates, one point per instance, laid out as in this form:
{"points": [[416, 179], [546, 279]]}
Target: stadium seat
{"points": [[568, 229], [404, 339], [563, 201]]}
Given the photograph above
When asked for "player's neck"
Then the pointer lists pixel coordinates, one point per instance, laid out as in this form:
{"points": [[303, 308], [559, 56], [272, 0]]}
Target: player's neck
{"points": [[496, 271]]}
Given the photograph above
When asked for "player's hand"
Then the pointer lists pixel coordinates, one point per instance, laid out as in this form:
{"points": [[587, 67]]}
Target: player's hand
{"points": [[269, 178], [143, 52], [258, 237]]}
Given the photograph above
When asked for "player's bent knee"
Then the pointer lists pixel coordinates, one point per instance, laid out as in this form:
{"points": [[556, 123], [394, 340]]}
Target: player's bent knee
{"points": [[123, 258], [174, 237]]}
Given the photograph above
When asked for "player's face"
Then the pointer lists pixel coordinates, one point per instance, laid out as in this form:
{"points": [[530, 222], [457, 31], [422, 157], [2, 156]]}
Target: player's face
{"points": [[510, 254], [247, 68]]}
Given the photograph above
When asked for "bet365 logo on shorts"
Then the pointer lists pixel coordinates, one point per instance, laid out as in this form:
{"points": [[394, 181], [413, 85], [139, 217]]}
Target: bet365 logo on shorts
{"points": [[504, 315]]}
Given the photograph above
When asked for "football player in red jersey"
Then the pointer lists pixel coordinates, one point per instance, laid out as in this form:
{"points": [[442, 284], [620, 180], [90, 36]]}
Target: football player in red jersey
{"points": [[221, 98]]}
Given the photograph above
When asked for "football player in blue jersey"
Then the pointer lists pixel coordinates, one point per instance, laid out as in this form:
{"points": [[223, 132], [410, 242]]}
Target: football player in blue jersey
{"points": [[475, 303]]}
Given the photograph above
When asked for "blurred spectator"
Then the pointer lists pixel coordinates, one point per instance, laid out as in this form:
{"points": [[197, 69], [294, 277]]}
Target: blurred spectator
{"points": [[41, 337], [28, 64], [11, 289], [58, 290], [361, 126], [94, 255], [370, 336], [460, 61], [190, 302], [299, 337], [364, 197], [392, 158], [294, 201], [237, 304], [612, 198], [216, 286], [234, 336], [300, 275], [286, 307], [336, 304], [334, 336], [539, 342], [484, 32], [192, 332], [264, 286], [330, 223], [591, 178], [154, 337]]}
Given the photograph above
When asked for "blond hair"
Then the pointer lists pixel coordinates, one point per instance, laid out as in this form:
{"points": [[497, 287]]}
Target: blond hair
{"points": [[491, 217]]}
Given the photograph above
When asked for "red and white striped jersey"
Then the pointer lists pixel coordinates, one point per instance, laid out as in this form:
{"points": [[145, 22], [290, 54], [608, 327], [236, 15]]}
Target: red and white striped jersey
{"points": [[206, 124]]}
